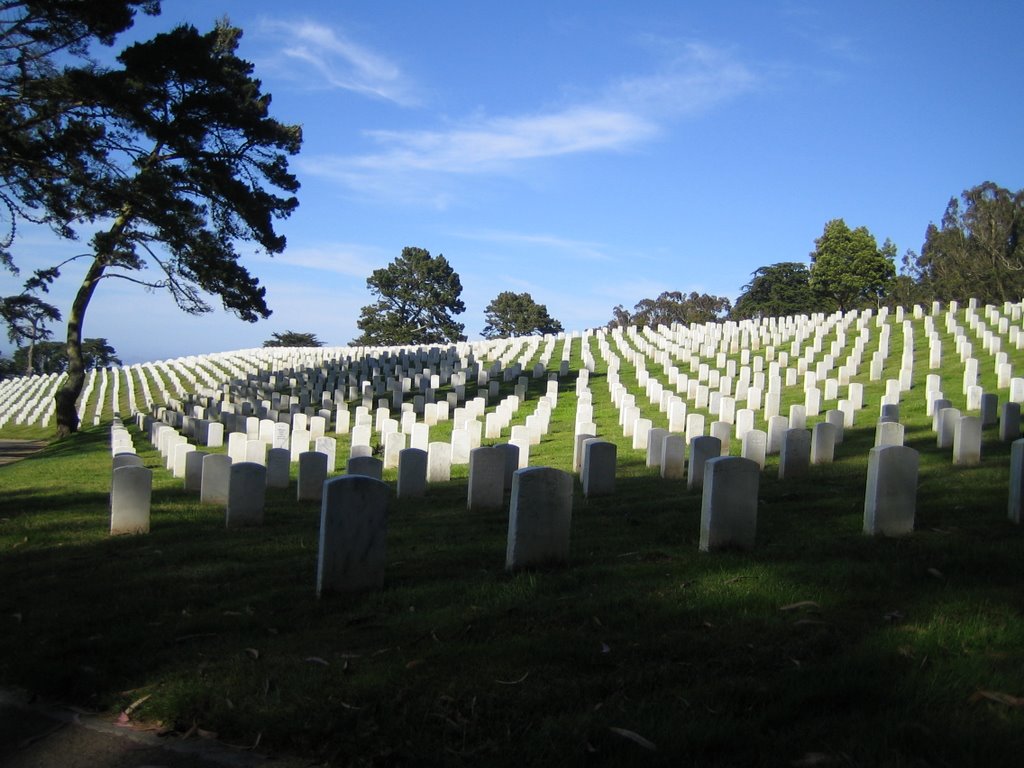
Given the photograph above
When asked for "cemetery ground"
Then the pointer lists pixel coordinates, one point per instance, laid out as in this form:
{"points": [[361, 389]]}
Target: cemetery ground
{"points": [[821, 646]]}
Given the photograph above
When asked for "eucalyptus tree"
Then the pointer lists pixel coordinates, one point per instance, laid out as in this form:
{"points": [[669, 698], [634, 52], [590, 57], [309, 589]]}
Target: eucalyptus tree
{"points": [[517, 314]]}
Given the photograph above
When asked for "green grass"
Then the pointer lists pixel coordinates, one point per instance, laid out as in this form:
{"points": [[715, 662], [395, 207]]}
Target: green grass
{"points": [[820, 645]]}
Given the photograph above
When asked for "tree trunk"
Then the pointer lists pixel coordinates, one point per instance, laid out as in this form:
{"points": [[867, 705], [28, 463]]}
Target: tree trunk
{"points": [[67, 396]]}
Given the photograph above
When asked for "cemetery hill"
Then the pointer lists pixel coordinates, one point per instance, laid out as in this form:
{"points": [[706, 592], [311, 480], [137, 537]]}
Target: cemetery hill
{"points": [[780, 530], [738, 542]]}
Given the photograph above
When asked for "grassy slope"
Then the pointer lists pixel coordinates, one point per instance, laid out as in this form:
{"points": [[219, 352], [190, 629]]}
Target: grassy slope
{"points": [[457, 662]]}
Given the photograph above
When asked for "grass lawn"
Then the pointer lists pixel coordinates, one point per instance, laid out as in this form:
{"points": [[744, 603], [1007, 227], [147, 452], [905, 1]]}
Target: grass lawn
{"points": [[820, 647]]}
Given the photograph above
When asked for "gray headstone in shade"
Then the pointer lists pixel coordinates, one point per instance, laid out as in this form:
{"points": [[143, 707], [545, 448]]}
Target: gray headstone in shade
{"points": [[890, 412], [948, 418], [511, 454], [728, 515], [279, 467], [540, 518], [247, 494], [311, 476], [412, 473], [130, 495], [890, 498], [989, 410], [1016, 496], [353, 535], [1009, 422], [599, 464], [194, 470], [702, 449], [794, 453], [216, 479], [486, 487], [367, 466]]}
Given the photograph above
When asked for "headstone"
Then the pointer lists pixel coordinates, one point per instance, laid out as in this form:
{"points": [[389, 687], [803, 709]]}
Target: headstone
{"points": [[131, 493], [890, 498], [1016, 499], [486, 487], [312, 476], [215, 435], [655, 445], [247, 492], [1009, 422], [194, 470], [967, 441], [511, 454], [890, 412], [540, 518], [216, 479], [673, 457], [367, 466], [577, 450], [597, 475], [948, 418], [412, 473], [795, 453], [702, 449], [755, 447], [279, 467], [823, 443], [126, 460], [439, 462], [989, 410], [728, 515], [353, 534], [889, 433]]}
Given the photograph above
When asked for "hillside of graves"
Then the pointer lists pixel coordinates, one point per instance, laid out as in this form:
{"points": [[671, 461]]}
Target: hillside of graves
{"points": [[792, 541]]}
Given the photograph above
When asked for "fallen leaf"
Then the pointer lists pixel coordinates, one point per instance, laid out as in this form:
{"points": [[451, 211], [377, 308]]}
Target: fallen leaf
{"points": [[318, 660], [810, 623], [414, 663], [206, 734], [734, 579], [634, 737], [1016, 702], [935, 572], [255, 654], [16, 617], [802, 605], [605, 648], [513, 682]]}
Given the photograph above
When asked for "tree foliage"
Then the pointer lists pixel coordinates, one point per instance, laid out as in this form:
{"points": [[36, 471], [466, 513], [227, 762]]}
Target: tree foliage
{"points": [[186, 163], [777, 290], [977, 252], [293, 339], [417, 296], [672, 307], [848, 267], [517, 314], [52, 356], [51, 153], [26, 317]]}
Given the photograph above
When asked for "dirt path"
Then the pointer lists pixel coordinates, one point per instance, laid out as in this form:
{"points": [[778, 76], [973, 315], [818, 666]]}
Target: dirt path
{"points": [[32, 736]]}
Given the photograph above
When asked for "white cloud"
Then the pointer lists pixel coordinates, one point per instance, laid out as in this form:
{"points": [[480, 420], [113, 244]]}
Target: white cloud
{"points": [[580, 249], [338, 62], [340, 258], [411, 165]]}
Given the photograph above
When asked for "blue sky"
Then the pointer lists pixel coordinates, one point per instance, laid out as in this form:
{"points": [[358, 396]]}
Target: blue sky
{"points": [[590, 153]]}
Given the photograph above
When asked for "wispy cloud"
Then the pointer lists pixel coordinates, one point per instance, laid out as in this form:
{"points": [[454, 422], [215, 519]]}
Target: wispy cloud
{"points": [[691, 78], [348, 259], [579, 249], [694, 78], [338, 62]]}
